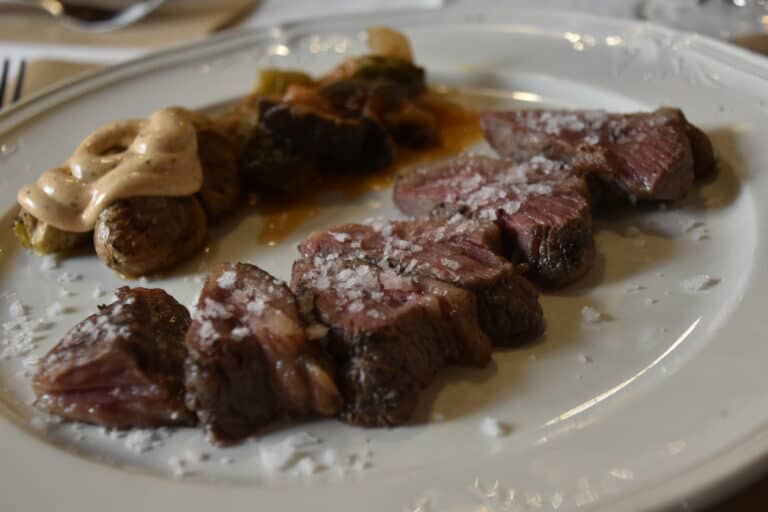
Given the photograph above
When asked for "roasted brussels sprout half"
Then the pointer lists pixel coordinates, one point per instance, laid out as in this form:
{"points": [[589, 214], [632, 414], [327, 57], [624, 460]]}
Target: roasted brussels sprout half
{"points": [[269, 164], [412, 126], [276, 81], [408, 123], [220, 193], [43, 238], [145, 235], [339, 145], [378, 67]]}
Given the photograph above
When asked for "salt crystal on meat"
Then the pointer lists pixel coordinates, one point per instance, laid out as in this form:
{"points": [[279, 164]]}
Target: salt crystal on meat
{"points": [[227, 279], [240, 333]]}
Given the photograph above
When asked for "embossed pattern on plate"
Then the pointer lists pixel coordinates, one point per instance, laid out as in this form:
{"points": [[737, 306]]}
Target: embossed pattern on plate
{"points": [[655, 404]]}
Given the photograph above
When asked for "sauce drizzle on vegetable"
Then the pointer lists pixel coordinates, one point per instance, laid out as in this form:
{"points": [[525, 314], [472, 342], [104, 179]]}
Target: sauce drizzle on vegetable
{"points": [[152, 157]]}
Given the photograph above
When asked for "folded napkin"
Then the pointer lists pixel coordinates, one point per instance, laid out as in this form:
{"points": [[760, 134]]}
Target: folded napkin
{"points": [[176, 22]]}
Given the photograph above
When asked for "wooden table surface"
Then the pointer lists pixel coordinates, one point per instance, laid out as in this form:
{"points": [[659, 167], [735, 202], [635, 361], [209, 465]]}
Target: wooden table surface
{"points": [[754, 497]]}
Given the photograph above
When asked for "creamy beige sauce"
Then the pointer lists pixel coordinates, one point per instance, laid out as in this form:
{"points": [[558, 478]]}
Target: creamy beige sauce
{"points": [[152, 157]]}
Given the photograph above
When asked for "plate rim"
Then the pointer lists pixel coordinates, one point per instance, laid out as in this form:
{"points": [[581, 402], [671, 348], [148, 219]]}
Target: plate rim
{"points": [[716, 477]]}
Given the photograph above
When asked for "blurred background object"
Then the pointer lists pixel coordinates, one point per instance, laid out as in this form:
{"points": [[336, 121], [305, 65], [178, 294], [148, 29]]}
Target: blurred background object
{"points": [[37, 51], [724, 19], [97, 16]]}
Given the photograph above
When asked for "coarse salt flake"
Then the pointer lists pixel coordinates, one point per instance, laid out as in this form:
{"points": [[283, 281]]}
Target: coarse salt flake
{"points": [[178, 466], [68, 277], [591, 315], [98, 292], [307, 466], [17, 309], [144, 440], [277, 456], [227, 279], [492, 427], [49, 262], [240, 333], [699, 283], [256, 306]]}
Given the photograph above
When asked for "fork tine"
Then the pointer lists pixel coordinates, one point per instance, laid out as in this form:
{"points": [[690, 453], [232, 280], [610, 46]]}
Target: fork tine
{"points": [[4, 80], [19, 81]]}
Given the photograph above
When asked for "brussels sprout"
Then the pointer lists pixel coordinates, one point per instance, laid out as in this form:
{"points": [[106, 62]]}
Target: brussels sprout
{"points": [[269, 164], [220, 193], [43, 238], [276, 81], [412, 126], [145, 235], [377, 67]]}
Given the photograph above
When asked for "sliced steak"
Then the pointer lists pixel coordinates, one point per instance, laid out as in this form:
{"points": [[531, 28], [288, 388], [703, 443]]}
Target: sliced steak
{"points": [[388, 333], [541, 206], [120, 367], [650, 156], [458, 250], [252, 356]]}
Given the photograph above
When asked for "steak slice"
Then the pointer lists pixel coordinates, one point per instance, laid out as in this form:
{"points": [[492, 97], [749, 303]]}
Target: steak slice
{"points": [[541, 206], [460, 251], [388, 333], [252, 356], [121, 367], [648, 155]]}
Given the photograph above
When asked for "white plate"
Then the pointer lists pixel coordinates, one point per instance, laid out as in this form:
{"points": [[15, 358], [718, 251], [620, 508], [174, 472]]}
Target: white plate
{"points": [[671, 408]]}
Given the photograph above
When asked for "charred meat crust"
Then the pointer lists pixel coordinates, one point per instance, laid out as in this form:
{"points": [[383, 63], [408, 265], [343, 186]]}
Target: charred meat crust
{"points": [[120, 367], [388, 334], [251, 358], [541, 206], [647, 155], [456, 250]]}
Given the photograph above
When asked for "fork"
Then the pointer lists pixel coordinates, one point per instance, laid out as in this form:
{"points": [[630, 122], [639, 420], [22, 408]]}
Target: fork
{"points": [[6, 78]]}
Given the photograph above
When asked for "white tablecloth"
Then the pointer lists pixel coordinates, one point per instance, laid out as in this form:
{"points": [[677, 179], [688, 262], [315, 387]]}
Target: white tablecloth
{"points": [[271, 11]]}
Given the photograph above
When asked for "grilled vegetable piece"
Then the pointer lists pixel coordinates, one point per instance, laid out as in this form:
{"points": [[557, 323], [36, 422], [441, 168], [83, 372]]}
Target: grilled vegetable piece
{"points": [[145, 235], [43, 238], [217, 149], [338, 144], [388, 102], [269, 164], [276, 81], [388, 42], [220, 193], [120, 367], [400, 71]]}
